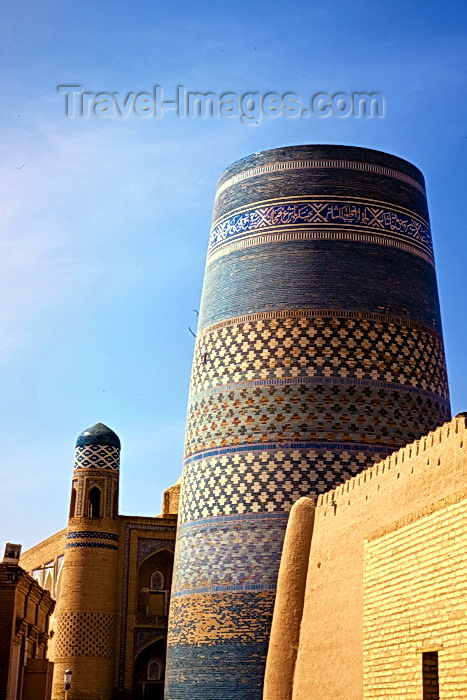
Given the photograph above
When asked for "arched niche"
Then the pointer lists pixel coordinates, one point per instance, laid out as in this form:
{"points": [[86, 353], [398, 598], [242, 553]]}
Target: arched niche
{"points": [[94, 502], [149, 671], [115, 501], [49, 581], [73, 502]]}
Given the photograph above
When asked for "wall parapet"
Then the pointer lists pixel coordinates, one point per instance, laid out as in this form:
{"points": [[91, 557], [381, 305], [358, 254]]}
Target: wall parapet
{"points": [[402, 458]]}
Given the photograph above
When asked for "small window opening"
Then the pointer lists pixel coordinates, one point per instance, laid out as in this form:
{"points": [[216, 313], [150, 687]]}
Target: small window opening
{"points": [[115, 503], [73, 502], [48, 585], [154, 670], [430, 675], [94, 502], [157, 581]]}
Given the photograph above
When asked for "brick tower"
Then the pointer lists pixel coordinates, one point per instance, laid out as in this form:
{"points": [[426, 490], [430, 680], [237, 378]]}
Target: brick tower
{"points": [[319, 351], [87, 615]]}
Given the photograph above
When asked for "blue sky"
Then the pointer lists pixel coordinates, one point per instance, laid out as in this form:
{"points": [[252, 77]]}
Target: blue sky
{"points": [[104, 222]]}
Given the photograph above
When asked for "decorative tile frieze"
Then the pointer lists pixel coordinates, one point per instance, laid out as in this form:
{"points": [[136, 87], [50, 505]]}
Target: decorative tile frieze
{"points": [[91, 545], [93, 534], [316, 412], [324, 215]]}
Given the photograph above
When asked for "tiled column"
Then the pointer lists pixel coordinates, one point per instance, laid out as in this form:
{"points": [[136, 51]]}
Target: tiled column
{"points": [[319, 351]]}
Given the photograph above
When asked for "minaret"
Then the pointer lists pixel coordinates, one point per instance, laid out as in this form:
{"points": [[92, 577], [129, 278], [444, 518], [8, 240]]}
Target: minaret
{"points": [[87, 615], [319, 351]]}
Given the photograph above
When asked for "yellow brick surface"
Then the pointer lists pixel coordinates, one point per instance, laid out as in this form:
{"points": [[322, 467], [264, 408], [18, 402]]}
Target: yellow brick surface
{"points": [[36, 558], [415, 600]]}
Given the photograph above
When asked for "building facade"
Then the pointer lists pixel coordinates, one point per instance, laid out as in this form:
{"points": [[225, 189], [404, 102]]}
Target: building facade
{"points": [[25, 610], [111, 576], [319, 352]]}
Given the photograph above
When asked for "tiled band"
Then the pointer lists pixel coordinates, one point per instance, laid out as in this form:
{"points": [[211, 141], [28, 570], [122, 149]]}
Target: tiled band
{"points": [[320, 313], [239, 554], [91, 545], [97, 457], [218, 670], [92, 534], [315, 275], [326, 216], [342, 234], [268, 479], [223, 618], [302, 412], [320, 164], [299, 345]]}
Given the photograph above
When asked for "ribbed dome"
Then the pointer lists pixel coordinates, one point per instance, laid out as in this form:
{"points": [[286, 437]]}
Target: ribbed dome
{"points": [[98, 434]]}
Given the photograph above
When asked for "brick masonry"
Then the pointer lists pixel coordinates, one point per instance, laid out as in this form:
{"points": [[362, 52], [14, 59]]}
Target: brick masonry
{"points": [[25, 610], [415, 596]]}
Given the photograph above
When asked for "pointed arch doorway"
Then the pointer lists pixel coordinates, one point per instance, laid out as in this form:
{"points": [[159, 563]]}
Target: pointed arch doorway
{"points": [[149, 672]]}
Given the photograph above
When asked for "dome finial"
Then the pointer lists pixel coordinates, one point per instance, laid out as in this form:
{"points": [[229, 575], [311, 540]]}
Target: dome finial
{"points": [[98, 434]]}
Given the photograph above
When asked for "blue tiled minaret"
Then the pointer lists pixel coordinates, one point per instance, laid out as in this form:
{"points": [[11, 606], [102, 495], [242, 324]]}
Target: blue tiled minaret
{"points": [[319, 352]]}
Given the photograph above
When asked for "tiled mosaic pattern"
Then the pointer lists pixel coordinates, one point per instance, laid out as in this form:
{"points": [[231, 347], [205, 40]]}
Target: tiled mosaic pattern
{"points": [[91, 545], [222, 618], [317, 213], [238, 554], [97, 457], [266, 480], [85, 634], [306, 344], [302, 412]]}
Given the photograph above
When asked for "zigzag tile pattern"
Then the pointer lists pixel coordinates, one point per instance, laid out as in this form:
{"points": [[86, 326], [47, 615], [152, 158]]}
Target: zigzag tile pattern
{"points": [[269, 479], [302, 344], [97, 457]]}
